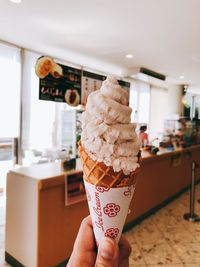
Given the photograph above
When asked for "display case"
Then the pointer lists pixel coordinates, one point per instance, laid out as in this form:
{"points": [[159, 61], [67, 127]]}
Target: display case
{"points": [[70, 131]]}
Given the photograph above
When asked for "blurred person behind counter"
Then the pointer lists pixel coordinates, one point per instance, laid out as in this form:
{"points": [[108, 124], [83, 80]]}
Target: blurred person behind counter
{"points": [[143, 136]]}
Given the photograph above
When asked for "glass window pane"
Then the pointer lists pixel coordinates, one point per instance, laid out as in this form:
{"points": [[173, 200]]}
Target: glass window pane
{"points": [[42, 116], [133, 102], [144, 102], [9, 91], [158, 111], [45, 133], [140, 102]]}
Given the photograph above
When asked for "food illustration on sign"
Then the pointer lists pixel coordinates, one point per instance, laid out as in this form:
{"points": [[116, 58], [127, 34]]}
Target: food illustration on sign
{"points": [[56, 71], [72, 97], [44, 66], [58, 82]]}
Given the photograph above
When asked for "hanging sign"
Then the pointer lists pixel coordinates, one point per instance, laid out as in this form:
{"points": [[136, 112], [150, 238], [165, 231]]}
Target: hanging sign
{"points": [[90, 83], [58, 82]]}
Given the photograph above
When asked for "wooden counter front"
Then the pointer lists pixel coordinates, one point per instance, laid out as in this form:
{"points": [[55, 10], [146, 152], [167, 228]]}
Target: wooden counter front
{"points": [[41, 229], [161, 177]]}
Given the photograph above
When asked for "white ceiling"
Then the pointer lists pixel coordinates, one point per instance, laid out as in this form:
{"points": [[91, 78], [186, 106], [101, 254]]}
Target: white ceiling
{"points": [[163, 35]]}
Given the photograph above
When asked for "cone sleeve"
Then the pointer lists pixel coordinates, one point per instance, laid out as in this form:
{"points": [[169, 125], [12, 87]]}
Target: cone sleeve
{"points": [[109, 195]]}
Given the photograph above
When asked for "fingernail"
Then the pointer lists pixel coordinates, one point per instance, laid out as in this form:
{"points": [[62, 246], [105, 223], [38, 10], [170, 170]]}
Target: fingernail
{"points": [[107, 248]]}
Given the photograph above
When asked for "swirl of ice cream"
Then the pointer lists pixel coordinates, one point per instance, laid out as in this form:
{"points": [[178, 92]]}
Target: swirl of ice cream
{"points": [[108, 136]]}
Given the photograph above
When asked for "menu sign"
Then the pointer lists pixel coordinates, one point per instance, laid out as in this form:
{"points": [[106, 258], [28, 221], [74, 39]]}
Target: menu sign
{"points": [[58, 82], [90, 83]]}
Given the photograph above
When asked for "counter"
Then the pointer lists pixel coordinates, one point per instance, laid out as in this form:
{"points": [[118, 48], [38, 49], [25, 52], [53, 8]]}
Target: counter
{"points": [[41, 228], [161, 179]]}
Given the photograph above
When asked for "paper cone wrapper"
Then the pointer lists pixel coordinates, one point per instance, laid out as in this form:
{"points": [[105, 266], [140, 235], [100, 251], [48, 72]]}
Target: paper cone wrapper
{"points": [[108, 209]]}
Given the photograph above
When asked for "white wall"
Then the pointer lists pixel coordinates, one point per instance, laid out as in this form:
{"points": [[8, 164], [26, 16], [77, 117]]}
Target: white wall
{"points": [[194, 89], [175, 99], [159, 110], [164, 102]]}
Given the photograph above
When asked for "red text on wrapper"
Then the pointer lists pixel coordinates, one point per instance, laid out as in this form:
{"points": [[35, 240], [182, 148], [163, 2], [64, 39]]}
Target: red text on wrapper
{"points": [[98, 212], [101, 189], [128, 192]]}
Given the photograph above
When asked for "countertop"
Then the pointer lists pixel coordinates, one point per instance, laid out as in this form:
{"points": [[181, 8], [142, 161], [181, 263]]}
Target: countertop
{"points": [[46, 171], [163, 153]]}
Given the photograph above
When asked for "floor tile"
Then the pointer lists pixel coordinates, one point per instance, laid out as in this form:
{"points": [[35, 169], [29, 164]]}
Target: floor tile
{"points": [[159, 254], [191, 265], [179, 235], [188, 253], [148, 234], [130, 238], [167, 265], [136, 257], [164, 221]]}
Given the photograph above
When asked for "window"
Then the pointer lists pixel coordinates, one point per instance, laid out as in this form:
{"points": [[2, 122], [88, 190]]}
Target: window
{"points": [[38, 115], [9, 91], [140, 102], [159, 110], [9, 107], [150, 106], [48, 127]]}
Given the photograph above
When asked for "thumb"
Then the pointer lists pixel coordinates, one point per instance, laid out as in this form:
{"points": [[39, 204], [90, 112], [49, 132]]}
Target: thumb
{"points": [[108, 253]]}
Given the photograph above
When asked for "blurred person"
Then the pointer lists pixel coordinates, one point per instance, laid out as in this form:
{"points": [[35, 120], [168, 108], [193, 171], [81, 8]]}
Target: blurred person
{"points": [[143, 136]]}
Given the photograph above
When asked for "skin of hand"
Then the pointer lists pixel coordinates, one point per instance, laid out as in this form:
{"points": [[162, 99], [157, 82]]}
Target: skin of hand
{"points": [[109, 254]]}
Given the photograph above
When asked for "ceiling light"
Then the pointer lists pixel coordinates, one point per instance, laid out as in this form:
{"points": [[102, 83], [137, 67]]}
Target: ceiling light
{"points": [[129, 56], [181, 77], [16, 1]]}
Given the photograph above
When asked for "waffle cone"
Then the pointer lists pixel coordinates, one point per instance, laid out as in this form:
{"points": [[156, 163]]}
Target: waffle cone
{"points": [[98, 174]]}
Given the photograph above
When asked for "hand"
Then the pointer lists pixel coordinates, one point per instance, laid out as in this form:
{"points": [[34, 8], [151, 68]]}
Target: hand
{"points": [[109, 254]]}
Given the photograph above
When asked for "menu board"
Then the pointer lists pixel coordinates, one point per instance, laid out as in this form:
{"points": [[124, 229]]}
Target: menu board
{"points": [[90, 83], [66, 84], [58, 82]]}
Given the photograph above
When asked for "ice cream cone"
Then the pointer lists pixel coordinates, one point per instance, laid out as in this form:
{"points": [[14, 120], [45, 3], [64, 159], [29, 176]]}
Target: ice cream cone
{"points": [[109, 195], [98, 174], [109, 154]]}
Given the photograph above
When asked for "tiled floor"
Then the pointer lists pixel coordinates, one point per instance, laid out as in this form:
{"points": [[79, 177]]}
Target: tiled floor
{"points": [[164, 239]]}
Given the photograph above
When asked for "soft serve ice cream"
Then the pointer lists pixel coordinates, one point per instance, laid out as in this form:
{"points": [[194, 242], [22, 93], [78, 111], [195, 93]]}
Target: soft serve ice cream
{"points": [[108, 136], [109, 155]]}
